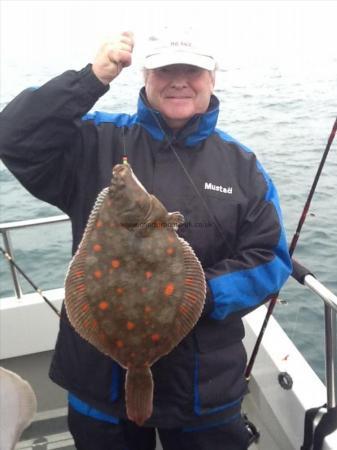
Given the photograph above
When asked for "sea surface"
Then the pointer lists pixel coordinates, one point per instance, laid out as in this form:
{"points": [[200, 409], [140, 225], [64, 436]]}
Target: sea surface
{"points": [[283, 114]]}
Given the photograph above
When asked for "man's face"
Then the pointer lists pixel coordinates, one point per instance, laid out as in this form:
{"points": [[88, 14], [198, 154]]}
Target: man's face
{"points": [[179, 92]]}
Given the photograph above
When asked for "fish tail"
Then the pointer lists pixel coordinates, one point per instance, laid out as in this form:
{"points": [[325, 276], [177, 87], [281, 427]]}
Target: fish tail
{"points": [[139, 394]]}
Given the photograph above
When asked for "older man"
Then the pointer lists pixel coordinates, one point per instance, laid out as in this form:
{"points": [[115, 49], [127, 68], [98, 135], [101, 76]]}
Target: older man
{"points": [[64, 156]]}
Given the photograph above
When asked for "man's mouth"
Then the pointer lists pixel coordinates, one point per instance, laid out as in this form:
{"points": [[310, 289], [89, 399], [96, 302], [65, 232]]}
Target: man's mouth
{"points": [[178, 97]]}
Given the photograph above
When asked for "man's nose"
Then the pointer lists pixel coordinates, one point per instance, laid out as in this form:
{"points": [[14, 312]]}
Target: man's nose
{"points": [[179, 80]]}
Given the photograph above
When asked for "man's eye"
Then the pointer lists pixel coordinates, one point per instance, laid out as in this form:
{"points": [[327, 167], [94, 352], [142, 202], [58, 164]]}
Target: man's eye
{"points": [[194, 70], [183, 69], [163, 70]]}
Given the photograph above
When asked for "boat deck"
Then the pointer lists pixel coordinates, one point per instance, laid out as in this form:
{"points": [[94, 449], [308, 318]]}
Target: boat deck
{"points": [[49, 429]]}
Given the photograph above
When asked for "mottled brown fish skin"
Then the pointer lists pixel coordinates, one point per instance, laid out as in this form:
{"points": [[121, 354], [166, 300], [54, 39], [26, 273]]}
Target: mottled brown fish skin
{"points": [[134, 288]]}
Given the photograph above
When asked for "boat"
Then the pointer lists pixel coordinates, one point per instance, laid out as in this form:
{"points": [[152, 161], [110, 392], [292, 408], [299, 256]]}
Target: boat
{"points": [[287, 402]]}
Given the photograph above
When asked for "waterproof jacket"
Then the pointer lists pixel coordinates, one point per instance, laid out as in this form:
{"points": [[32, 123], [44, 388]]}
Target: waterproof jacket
{"points": [[65, 156]]}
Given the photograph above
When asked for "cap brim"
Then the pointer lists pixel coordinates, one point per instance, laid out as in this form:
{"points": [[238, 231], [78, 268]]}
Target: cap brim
{"points": [[166, 59]]}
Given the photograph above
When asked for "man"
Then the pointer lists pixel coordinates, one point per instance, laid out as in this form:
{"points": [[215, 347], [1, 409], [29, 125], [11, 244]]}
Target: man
{"points": [[233, 222]]}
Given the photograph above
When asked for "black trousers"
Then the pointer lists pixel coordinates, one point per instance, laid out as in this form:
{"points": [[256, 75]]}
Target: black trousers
{"points": [[92, 434]]}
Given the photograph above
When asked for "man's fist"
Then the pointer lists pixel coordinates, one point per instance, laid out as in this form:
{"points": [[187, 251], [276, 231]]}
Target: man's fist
{"points": [[113, 57]]}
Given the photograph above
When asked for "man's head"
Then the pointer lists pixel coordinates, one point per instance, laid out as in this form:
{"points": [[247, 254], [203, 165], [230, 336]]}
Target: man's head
{"points": [[179, 79]]}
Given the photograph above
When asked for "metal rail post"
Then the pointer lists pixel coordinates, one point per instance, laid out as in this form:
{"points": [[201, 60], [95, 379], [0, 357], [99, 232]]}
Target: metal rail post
{"points": [[9, 250], [331, 355]]}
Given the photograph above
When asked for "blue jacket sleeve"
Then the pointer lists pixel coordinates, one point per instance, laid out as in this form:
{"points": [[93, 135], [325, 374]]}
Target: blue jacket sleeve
{"points": [[41, 134], [260, 264]]}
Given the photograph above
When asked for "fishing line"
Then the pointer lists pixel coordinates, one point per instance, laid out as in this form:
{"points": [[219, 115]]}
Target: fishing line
{"points": [[292, 247], [293, 327], [312, 190], [125, 156], [36, 288]]}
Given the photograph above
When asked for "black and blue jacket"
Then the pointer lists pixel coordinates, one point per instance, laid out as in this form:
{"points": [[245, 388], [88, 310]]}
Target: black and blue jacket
{"points": [[64, 156]]}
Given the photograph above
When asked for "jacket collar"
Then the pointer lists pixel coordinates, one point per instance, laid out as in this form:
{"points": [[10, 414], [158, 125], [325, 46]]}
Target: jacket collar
{"points": [[198, 128]]}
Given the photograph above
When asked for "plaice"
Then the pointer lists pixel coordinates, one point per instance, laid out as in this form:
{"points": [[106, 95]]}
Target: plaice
{"points": [[134, 288]]}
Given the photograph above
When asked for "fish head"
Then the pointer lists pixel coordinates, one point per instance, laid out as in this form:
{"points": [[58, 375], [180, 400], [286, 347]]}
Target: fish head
{"points": [[130, 199]]}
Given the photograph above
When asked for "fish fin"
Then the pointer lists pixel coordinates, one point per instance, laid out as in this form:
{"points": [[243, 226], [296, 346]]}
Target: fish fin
{"points": [[79, 309], [77, 306], [139, 394], [76, 302], [194, 290], [175, 218], [93, 215]]}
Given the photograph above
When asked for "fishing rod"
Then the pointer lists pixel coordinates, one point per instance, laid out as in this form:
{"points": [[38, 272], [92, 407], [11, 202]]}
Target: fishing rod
{"points": [[292, 247], [36, 288]]}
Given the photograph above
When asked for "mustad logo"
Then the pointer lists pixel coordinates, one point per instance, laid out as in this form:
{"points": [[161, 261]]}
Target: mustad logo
{"points": [[213, 187]]}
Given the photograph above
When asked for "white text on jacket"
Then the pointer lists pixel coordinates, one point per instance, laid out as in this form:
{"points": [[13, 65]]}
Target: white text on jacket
{"points": [[213, 187]]}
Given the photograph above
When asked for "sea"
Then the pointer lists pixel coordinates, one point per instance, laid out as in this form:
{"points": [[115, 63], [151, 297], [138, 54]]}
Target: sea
{"points": [[285, 116]]}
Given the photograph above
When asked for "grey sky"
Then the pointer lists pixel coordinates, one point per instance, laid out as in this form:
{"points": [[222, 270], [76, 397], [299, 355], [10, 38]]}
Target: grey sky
{"points": [[66, 34]]}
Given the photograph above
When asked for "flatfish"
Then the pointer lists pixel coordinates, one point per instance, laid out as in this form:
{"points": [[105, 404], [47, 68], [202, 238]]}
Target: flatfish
{"points": [[18, 406], [134, 288]]}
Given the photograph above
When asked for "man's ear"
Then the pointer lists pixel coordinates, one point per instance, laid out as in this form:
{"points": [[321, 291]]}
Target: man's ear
{"points": [[145, 74], [212, 73]]}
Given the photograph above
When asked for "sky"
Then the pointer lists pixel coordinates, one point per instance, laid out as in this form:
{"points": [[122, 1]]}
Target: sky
{"points": [[63, 32]]}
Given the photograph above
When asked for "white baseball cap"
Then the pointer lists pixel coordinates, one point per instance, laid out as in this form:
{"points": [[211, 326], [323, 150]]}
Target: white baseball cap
{"points": [[178, 50]]}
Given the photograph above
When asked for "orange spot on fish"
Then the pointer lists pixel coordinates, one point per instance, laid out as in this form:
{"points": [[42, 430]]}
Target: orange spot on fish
{"points": [[98, 274], [103, 305], [169, 289], [85, 307], [79, 273], [130, 325], [119, 290], [189, 281], [148, 275], [155, 337], [94, 324], [170, 251], [97, 248], [80, 287], [115, 263], [119, 343], [99, 224]]}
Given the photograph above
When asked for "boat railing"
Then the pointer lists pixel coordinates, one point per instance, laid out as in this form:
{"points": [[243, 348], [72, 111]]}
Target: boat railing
{"points": [[6, 228], [301, 274], [305, 277]]}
